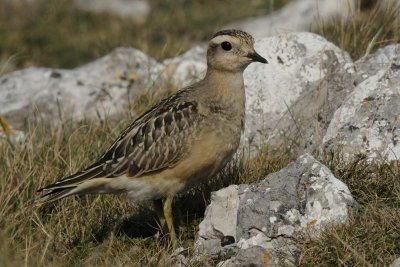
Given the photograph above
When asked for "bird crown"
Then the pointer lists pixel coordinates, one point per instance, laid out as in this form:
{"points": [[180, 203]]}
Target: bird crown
{"points": [[244, 36]]}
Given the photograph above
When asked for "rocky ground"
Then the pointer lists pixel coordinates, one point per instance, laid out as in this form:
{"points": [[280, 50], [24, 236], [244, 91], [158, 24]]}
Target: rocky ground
{"points": [[311, 97], [312, 101]]}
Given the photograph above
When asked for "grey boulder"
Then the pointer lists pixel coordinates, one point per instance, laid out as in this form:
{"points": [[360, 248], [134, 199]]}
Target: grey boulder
{"points": [[99, 88], [368, 122], [187, 68], [395, 263], [258, 223], [291, 100]]}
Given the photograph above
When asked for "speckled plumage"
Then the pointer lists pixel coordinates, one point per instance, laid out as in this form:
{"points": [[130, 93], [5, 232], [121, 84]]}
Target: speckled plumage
{"points": [[243, 36], [184, 139]]}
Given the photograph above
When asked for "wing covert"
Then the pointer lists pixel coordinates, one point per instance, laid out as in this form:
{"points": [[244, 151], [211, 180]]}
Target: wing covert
{"points": [[154, 141]]}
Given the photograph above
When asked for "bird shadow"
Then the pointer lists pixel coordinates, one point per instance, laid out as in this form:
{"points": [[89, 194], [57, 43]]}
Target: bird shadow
{"points": [[141, 224]]}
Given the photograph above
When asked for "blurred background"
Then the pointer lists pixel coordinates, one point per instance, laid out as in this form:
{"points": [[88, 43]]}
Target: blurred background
{"points": [[68, 33]]}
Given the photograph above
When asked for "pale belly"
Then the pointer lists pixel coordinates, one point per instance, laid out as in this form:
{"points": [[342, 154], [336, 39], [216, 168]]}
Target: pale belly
{"points": [[146, 188]]}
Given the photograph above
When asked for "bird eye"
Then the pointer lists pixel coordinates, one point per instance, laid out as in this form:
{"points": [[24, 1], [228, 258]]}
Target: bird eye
{"points": [[226, 46]]}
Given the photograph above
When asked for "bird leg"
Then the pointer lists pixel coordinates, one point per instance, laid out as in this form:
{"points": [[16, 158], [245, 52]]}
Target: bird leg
{"points": [[6, 127], [167, 207], [164, 214], [158, 207]]}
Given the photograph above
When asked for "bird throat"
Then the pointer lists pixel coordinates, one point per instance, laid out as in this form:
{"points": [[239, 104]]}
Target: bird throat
{"points": [[228, 87], [226, 94]]}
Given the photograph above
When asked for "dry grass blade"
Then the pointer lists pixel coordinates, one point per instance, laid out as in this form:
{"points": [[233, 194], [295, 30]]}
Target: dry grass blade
{"points": [[367, 29], [108, 231]]}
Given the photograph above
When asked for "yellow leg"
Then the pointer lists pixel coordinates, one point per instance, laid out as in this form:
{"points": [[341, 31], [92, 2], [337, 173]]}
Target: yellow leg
{"points": [[167, 207], [6, 127], [158, 207]]}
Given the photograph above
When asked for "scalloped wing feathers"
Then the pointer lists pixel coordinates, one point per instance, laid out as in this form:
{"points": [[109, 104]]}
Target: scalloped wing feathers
{"points": [[154, 141]]}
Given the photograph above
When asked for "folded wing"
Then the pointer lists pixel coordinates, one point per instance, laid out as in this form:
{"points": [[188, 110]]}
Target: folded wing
{"points": [[156, 140]]}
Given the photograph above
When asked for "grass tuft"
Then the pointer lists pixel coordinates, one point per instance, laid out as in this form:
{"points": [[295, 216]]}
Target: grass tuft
{"points": [[373, 25]]}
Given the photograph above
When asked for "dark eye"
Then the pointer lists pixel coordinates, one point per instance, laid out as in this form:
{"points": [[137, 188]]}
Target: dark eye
{"points": [[226, 46]]}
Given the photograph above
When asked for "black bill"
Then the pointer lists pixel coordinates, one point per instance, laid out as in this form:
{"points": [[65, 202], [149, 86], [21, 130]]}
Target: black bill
{"points": [[257, 58]]}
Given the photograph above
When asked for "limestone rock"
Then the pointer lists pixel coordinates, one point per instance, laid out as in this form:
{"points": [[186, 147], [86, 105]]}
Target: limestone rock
{"points": [[220, 218], [179, 257], [298, 15], [368, 122], [383, 59], [291, 100], [187, 68], [298, 201], [252, 256], [98, 88], [395, 263]]}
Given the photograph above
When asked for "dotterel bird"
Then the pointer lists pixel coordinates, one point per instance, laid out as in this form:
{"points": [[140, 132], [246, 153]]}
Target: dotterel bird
{"points": [[184, 139]]}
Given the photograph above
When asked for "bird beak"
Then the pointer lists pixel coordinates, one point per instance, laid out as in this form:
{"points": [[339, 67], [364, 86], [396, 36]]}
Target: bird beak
{"points": [[256, 57]]}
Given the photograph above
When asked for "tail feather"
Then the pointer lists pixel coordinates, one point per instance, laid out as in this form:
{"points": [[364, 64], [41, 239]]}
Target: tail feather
{"points": [[56, 194], [66, 186]]}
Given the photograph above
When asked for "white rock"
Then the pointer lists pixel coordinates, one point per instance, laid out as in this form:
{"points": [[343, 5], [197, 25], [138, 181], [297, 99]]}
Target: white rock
{"points": [[102, 87], [291, 100], [179, 257], [368, 122], [98, 88], [187, 68], [220, 215], [298, 15], [395, 263], [304, 198]]}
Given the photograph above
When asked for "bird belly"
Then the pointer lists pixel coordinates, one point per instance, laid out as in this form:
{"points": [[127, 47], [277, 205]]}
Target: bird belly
{"points": [[154, 187]]}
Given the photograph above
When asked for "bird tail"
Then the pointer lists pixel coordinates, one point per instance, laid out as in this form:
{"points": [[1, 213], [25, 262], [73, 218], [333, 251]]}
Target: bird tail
{"points": [[69, 185]]}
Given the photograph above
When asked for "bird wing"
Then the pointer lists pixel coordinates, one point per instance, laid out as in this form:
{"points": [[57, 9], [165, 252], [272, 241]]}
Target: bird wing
{"points": [[154, 141]]}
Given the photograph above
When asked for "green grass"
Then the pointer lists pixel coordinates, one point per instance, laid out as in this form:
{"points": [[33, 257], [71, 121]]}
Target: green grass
{"points": [[107, 230]]}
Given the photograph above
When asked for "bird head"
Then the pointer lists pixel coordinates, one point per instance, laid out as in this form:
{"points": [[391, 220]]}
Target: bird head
{"points": [[232, 50]]}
